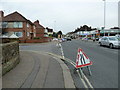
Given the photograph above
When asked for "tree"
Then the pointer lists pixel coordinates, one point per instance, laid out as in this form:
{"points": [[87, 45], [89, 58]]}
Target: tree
{"points": [[55, 34], [59, 33]]}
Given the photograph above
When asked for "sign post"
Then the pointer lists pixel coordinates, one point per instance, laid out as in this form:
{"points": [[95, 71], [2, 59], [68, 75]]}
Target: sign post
{"points": [[83, 61]]}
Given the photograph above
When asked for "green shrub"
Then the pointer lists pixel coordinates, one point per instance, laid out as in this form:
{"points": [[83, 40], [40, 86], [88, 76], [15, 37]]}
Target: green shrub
{"points": [[37, 38]]}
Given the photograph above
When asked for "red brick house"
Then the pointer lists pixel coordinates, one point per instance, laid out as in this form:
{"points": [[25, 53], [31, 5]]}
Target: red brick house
{"points": [[21, 27], [40, 30]]}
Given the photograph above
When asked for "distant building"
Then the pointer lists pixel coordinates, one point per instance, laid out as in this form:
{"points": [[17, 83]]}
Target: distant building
{"points": [[17, 24], [109, 32], [49, 31], [40, 30]]}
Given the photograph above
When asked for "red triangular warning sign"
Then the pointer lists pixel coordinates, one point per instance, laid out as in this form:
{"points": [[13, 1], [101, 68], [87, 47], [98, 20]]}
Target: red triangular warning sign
{"points": [[82, 59]]}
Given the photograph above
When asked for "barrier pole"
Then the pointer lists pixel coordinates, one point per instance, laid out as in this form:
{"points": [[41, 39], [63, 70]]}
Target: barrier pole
{"points": [[81, 72], [89, 70]]}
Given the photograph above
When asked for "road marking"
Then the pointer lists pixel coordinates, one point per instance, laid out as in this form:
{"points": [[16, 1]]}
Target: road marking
{"points": [[62, 52], [82, 80], [88, 81], [73, 63]]}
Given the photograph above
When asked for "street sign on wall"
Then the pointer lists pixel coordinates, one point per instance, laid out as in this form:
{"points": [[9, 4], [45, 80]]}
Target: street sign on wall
{"points": [[82, 59]]}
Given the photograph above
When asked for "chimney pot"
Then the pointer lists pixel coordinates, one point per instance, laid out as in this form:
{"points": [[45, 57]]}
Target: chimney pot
{"points": [[1, 14]]}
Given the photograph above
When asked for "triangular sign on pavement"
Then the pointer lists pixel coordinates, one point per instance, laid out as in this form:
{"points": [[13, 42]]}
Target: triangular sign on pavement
{"points": [[82, 59]]}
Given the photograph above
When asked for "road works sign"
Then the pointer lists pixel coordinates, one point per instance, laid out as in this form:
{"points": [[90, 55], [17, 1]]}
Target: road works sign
{"points": [[82, 59]]}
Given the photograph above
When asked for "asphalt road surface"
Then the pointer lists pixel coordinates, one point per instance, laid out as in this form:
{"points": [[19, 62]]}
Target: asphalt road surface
{"points": [[43, 47], [105, 63]]}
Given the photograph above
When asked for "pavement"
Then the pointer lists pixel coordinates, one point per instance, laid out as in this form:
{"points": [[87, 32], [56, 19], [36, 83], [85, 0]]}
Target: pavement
{"points": [[38, 70]]}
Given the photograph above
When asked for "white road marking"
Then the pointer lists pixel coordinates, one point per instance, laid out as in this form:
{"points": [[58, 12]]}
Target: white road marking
{"points": [[87, 81], [73, 63], [82, 80], [62, 52]]}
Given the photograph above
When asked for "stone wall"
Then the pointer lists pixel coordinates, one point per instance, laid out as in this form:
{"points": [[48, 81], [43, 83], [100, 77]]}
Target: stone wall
{"points": [[10, 55]]}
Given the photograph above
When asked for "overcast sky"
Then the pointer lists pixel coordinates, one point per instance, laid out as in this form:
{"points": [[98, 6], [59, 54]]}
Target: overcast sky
{"points": [[65, 15]]}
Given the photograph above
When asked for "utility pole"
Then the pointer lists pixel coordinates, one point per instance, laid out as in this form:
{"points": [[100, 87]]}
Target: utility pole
{"points": [[54, 25], [104, 15]]}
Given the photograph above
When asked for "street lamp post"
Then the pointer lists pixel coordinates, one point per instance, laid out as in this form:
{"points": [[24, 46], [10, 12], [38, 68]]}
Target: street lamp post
{"points": [[104, 15], [54, 25]]}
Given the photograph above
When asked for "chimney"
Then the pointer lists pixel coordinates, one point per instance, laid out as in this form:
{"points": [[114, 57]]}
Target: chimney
{"points": [[37, 22], [1, 14]]}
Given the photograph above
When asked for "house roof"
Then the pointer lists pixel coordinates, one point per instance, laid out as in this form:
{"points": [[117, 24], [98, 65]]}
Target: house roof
{"points": [[36, 23], [49, 30], [15, 16]]}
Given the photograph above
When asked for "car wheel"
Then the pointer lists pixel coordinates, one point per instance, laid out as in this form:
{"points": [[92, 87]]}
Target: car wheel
{"points": [[111, 46], [100, 44]]}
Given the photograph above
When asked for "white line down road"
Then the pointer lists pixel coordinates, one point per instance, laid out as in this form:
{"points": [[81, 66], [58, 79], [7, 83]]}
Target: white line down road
{"points": [[84, 80]]}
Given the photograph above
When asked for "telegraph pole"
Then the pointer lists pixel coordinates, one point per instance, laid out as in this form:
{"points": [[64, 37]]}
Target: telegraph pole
{"points": [[104, 15]]}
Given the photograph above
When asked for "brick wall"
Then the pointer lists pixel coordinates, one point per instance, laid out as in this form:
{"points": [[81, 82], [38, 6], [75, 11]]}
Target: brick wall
{"points": [[42, 40]]}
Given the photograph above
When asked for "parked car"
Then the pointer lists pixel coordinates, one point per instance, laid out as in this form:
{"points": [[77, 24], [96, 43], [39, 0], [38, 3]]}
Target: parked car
{"points": [[55, 39], [111, 41], [63, 39], [67, 38], [84, 39]]}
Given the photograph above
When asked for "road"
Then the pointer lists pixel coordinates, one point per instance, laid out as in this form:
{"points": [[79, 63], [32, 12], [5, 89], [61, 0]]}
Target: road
{"points": [[43, 47], [105, 63]]}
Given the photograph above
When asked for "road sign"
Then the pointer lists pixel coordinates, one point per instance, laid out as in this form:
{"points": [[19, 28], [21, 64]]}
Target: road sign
{"points": [[82, 59]]}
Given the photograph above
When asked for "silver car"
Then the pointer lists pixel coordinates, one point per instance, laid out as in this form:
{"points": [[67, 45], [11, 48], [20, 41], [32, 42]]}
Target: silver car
{"points": [[111, 41]]}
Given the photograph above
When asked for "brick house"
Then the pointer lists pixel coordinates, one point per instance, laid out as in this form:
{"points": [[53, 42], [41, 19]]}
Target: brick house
{"points": [[21, 27], [40, 30], [49, 31]]}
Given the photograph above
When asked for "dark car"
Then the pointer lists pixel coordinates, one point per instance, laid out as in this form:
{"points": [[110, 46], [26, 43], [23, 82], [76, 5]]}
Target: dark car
{"points": [[67, 38]]}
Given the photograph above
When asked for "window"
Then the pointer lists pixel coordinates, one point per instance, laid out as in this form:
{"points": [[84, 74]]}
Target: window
{"points": [[34, 34], [45, 30], [5, 24], [105, 38], [113, 39], [19, 34], [18, 25], [33, 27], [27, 25], [10, 24], [28, 33]]}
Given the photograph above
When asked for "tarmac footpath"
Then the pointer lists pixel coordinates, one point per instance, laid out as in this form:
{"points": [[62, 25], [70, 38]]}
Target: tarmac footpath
{"points": [[38, 70]]}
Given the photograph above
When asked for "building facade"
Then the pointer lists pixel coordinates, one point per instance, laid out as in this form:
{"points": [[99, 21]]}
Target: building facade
{"points": [[40, 30], [17, 24]]}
